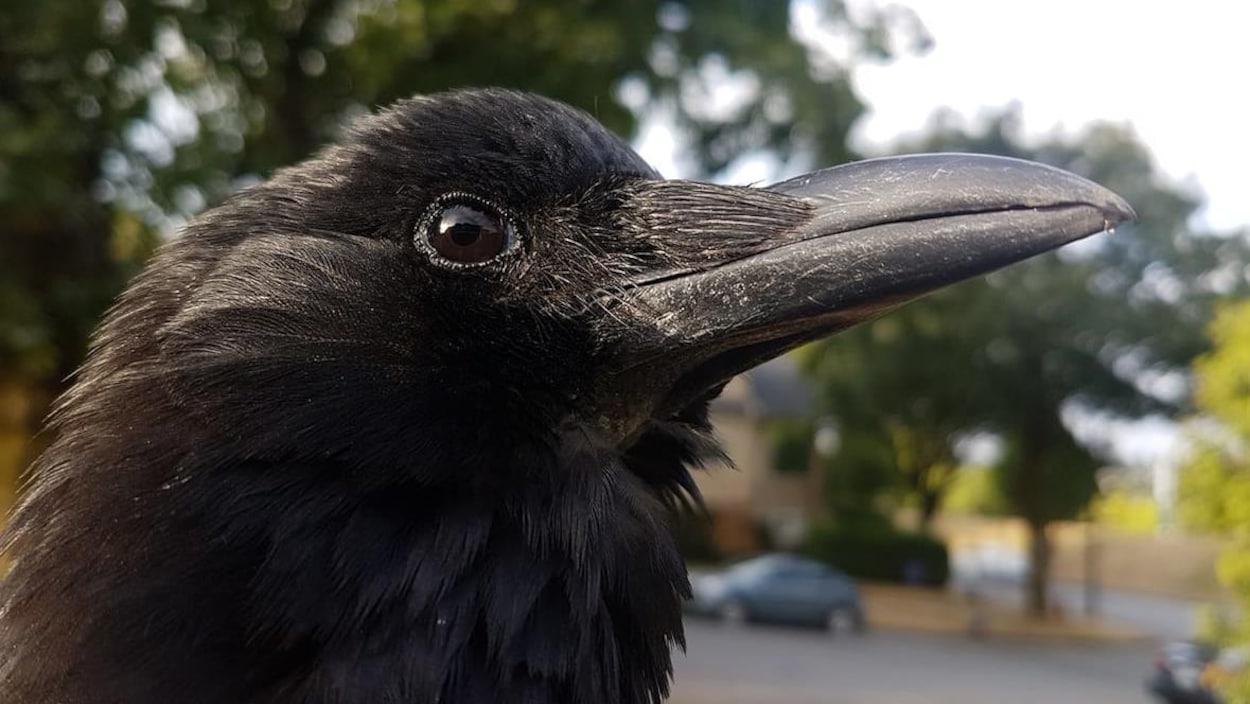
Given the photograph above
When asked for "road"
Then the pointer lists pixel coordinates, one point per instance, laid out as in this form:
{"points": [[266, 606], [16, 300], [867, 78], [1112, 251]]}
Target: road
{"points": [[764, 665]]}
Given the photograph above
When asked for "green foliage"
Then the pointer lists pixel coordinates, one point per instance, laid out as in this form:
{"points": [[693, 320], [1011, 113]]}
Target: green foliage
{"points": [[893, 385], [883, 554], [1215, 489], [1215, 624], [1049, 481], [120, 120], [1088, 327], [1223, 389], [1215, 482], [157, 109], [791, 445], [1235, 690], [856, 488], [975, 490], [1126, 512]]}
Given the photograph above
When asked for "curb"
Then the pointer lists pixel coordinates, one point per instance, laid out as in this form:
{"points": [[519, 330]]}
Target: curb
{"points": [[892, 607]]}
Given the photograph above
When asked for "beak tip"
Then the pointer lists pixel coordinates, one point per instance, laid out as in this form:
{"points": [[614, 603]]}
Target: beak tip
{"points": [[1117, 210]]}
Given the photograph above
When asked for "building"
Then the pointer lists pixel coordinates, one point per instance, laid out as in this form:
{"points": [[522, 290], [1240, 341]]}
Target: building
{"points": [[752, 494]]}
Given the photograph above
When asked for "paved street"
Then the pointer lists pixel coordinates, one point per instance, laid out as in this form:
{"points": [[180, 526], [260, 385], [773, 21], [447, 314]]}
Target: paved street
{"points": [[763, 665]]}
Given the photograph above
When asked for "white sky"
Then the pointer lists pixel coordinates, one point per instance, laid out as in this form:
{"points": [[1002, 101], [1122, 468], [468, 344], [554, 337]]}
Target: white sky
{"points": [[1178, 72]]}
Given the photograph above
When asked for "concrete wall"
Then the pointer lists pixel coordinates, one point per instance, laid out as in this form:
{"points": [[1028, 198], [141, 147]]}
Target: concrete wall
{"points": [[1174, 565]]}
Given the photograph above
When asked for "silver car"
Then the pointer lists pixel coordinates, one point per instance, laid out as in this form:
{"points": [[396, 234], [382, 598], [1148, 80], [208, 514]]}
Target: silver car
{"points": [[780, 588]]}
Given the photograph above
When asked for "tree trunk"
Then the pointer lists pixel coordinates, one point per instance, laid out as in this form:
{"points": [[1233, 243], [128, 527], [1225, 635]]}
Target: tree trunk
{"points": [[1037, 602], [929, 501], [1031, 502]]}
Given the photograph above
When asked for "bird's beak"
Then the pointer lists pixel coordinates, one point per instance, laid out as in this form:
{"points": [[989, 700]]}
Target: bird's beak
{"points": [[874, 235]]}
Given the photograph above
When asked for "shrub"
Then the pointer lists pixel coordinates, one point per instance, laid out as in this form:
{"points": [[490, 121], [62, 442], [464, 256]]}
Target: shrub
{"points": [[881, 554]]}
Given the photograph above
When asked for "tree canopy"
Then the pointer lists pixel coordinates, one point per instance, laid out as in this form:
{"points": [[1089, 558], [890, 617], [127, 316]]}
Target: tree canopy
{"points": [[120, 120], [1107, 325]]}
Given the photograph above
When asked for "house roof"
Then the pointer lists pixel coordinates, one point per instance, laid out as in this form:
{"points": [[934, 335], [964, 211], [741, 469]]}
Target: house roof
{"points": [[774, 389]]}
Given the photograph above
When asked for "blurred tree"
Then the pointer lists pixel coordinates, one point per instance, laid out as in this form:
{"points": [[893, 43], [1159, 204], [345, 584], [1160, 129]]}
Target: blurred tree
{"points": [[1126, 511], [792, 440], [118, 120], [854, 486], [1107, 325], [870, 379], [974, 490], [1215, 483]]}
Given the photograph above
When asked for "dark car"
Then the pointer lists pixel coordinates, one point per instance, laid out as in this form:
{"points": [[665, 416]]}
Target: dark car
{"points": [[1185, 671], [780, 588]]}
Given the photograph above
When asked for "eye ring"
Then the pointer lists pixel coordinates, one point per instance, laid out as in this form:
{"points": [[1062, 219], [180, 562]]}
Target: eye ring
{"points": [[460, 230]]}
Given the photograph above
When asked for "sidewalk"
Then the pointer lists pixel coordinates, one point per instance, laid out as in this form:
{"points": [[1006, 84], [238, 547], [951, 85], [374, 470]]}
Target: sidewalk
{"points": [[939, 611]]}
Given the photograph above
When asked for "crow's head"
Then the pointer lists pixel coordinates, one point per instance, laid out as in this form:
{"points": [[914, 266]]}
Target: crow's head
{"points": [[401, 422]]}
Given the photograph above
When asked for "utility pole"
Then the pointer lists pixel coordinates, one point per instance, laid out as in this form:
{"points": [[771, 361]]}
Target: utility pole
{"points": [[1093, 588]]}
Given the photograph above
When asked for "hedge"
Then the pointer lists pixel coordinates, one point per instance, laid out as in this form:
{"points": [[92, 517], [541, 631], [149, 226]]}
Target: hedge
{"points": [[885, 555]]}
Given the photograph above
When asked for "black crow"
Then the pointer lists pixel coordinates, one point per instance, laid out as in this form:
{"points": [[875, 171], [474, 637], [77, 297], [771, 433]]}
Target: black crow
{"points": [[402, 424]]}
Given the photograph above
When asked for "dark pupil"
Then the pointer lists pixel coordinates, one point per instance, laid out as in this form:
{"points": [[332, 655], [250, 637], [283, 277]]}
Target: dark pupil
{"points": [[463, 233]]}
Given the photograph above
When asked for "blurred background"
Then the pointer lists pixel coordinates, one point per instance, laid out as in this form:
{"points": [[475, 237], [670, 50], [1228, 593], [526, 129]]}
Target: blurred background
{"points": [[1033, 487]]}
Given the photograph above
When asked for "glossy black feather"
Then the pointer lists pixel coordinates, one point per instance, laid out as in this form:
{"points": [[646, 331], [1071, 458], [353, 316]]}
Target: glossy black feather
{"points": [[303, 464]]}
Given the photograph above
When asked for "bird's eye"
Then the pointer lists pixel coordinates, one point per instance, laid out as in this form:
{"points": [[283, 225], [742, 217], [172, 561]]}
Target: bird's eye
{"points": [[468, 234]]}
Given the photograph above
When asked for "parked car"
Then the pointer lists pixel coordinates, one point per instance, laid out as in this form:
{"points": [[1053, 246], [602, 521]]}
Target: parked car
{"points": [[780, 588], [1184, 673]]}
